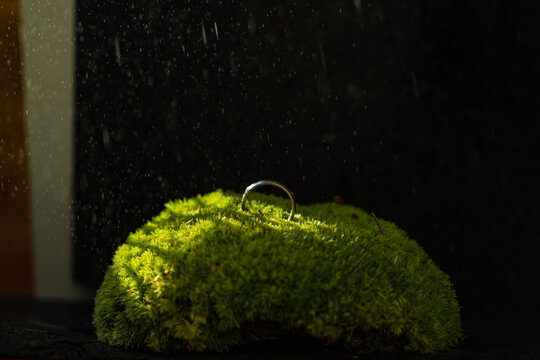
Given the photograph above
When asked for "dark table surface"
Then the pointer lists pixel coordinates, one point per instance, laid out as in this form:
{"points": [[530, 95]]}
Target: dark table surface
{"points": [[63, 330]]}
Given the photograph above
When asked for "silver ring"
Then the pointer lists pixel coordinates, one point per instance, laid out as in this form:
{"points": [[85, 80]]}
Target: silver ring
{"points": [[273, 183]]}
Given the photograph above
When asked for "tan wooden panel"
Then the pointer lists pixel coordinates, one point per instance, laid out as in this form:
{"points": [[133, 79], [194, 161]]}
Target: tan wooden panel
{"points": [[16, 265]]}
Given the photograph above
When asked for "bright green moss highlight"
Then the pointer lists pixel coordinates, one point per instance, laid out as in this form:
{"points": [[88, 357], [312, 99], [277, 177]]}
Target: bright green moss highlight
{"points": [[197, 274]]}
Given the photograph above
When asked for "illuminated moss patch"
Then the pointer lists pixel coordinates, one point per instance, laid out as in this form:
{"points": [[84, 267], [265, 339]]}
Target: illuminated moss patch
{"points": [[194, 275]]}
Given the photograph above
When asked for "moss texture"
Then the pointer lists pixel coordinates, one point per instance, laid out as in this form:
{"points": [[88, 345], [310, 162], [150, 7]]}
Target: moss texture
{"points": [[199, 273]]}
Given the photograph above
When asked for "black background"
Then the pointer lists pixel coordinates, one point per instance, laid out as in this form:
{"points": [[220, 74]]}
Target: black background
{"points": [[424, 112]]}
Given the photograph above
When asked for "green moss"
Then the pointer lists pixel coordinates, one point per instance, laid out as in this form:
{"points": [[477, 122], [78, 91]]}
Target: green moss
{"points": [[197, 274]]}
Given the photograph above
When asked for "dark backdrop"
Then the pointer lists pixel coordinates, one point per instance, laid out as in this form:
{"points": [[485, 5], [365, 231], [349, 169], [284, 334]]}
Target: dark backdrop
{"points": [[424, 112]]}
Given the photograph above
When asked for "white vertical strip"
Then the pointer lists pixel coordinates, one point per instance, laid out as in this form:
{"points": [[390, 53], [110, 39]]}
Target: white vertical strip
{"points": [[49, 57]]}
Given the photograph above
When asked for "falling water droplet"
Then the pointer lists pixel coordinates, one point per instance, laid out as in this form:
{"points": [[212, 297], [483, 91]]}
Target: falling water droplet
{"points": [[323, 59], [106, 138], [216, 29], [203, 32], [358, 5], [117, 50]]}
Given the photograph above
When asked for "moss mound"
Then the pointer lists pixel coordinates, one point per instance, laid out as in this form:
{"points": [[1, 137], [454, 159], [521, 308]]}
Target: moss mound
{"points": [[203, 270]]}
